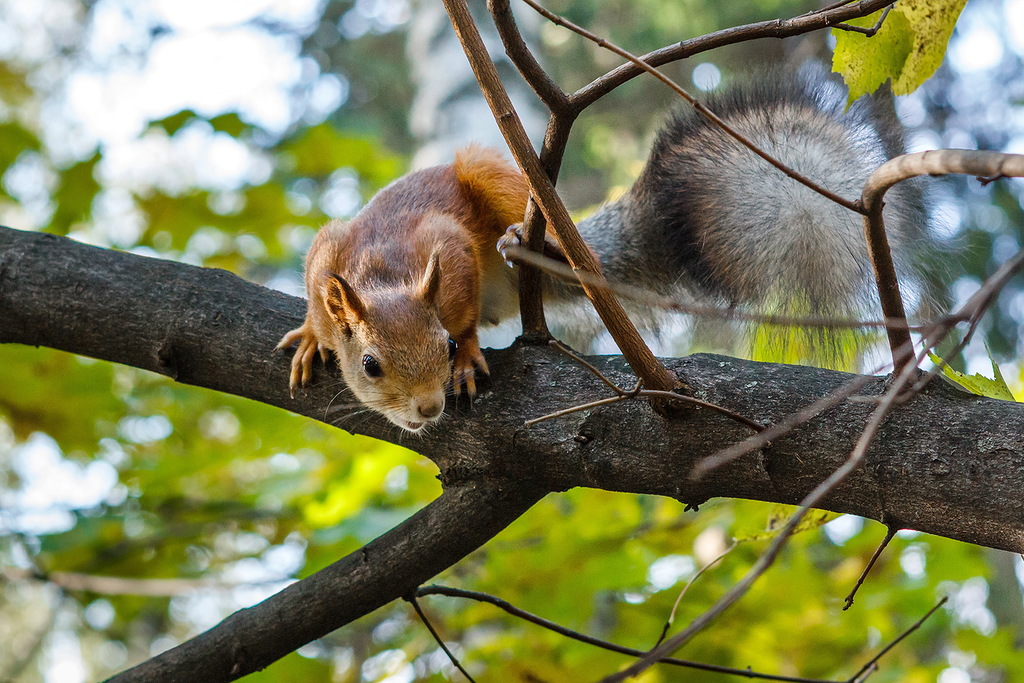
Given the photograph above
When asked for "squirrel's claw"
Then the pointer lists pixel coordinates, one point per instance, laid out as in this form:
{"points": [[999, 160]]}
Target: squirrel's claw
{"points": [[513, 237], [464, 378]]}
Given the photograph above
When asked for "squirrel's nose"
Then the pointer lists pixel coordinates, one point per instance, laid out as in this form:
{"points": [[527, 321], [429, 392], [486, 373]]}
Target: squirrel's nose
{"points": [[429, 409]]}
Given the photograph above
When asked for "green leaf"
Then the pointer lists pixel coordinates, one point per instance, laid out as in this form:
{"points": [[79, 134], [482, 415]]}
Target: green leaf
{"points": [[231, 124], [86, 406], [978, 384], [15, 139], [175, 122], [177, 216], [322, 149], [14, 87], [78, 187], [907, 49]]}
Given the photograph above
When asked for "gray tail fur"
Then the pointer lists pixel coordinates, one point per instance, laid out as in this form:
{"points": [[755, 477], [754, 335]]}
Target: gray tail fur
{"points": [[709, 218]]}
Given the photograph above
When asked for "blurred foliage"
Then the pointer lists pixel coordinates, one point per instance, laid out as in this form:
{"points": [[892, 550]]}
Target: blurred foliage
{"points": [[111, 471]]}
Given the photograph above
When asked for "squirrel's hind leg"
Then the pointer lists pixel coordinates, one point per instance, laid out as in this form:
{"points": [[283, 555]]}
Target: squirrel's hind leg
{"points": [[514, 237]]}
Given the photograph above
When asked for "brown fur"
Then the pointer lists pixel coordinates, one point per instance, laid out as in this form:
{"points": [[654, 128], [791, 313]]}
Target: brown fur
{"points": [[405, 274]]}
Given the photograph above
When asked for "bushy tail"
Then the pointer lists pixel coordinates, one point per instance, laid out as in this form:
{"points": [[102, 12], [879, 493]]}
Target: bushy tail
{"points": [[709, 218]]}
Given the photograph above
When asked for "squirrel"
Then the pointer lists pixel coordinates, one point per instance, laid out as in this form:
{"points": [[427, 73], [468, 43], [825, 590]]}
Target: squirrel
{"points": [[397, 293]]}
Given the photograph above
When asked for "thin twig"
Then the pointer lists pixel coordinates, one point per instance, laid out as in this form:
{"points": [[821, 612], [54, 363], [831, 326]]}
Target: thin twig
{"points": [[562, 116], [668, 303], [576, 408], [889, 535], [118, 585], [874, 660], [531, 291], [834, 5], [637, 391], [650, 393], [869, 31], [970, 311], [886, 280], [772, 28], [565, 350], [787, 425], [517, 50], [975, 308], [703, 110], [590, 640], [940, 329], [731, 414], [679, 598], [426, 622], [885, 404], [766, 560]]}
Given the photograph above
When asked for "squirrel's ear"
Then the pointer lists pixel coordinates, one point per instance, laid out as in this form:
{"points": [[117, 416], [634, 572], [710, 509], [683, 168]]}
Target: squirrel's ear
{"points": [[431, 283], [341, 300]]}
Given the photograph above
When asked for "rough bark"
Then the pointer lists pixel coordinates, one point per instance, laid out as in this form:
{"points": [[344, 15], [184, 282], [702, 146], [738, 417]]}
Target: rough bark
{"points": [[947, 463]]}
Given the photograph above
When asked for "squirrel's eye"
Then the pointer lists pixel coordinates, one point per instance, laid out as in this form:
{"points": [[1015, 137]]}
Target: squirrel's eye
{"points": [[371, 367], [452, 347]]}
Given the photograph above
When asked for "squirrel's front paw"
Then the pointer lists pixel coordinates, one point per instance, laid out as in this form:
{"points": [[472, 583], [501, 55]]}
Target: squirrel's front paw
{"points": [[468, 361], [302, 361]]}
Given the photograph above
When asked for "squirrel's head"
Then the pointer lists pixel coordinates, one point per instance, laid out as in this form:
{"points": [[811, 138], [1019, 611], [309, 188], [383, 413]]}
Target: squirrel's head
{"points": [[392, 348]]}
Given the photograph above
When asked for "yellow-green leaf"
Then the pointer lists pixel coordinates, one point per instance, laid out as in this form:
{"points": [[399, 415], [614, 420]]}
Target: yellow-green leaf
{"points": [[780, 514], [907, 49], [978, 384], [868, 62], [933, 22]]}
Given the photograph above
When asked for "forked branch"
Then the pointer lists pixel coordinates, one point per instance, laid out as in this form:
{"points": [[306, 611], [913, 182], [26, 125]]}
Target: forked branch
{"points": [[696, 104], [987, 165], [576, 250]]}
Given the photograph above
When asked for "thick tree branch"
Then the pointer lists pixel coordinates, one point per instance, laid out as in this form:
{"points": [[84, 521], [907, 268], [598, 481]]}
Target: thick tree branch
{"points": [[388, 568], [946, 463]]}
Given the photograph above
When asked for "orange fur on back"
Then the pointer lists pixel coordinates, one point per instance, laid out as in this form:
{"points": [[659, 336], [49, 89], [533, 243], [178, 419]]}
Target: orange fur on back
{"points": [[497, 186]]}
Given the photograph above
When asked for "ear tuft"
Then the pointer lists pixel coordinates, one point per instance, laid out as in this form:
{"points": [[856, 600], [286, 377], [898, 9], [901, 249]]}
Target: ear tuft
{"points": [[431, 283], [342, 301]]}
